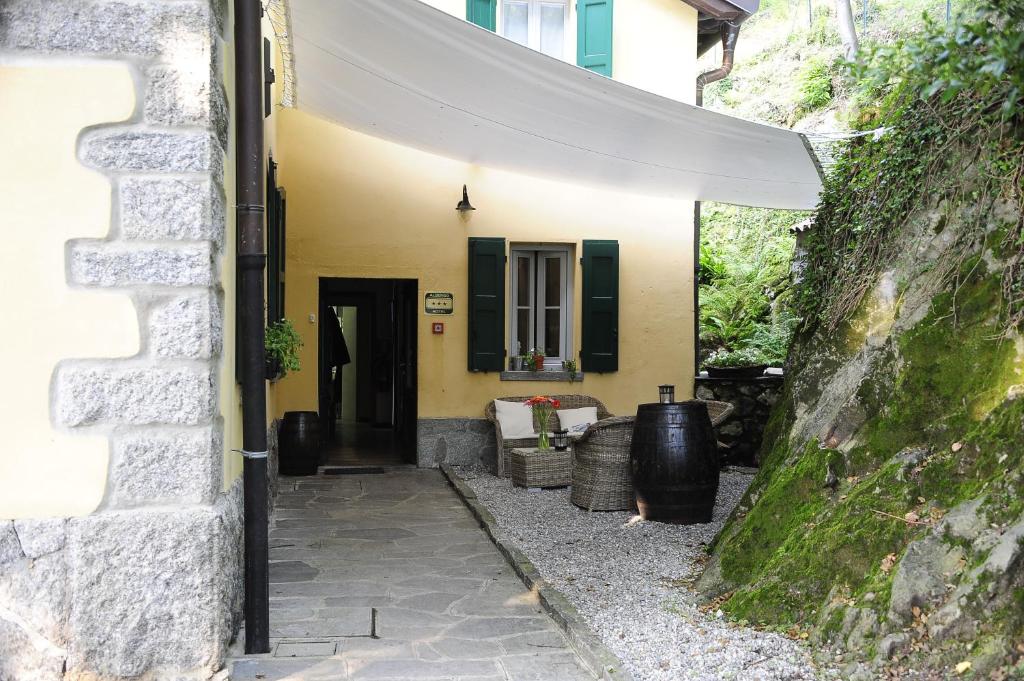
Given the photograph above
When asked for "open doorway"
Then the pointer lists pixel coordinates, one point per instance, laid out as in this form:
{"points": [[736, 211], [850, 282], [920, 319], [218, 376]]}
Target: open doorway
{"points": [[367, 375]]}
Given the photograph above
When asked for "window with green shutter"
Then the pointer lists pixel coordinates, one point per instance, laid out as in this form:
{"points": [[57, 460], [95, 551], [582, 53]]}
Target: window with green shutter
{"points": [[482, 13], [594, 35], [600, 351], [486, 304]]}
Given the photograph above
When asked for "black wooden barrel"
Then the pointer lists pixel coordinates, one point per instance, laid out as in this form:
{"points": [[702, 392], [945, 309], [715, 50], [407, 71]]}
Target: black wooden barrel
{"points": [[674, 462], [300, 443]]}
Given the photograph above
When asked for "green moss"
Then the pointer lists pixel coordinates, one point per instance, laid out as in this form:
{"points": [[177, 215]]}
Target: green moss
{"points": [[946, 383]]}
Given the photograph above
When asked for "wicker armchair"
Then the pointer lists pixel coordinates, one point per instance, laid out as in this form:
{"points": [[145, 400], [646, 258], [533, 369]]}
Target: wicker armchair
{"points": [[600, 466], [505, 446]]}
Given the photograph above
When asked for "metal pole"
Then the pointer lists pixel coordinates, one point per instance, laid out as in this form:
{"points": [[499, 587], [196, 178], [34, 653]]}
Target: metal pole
{"points": [[251, 261], [810, 14], [949, 11], [864, 17]]}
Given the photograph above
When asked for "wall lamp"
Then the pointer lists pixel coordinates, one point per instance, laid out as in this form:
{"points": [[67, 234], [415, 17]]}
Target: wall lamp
{"points": [[464, 205]]}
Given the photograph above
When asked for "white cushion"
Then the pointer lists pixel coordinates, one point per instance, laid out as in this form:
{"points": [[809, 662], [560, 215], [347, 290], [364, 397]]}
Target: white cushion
{"points": [[515, 418], [577, 420]]}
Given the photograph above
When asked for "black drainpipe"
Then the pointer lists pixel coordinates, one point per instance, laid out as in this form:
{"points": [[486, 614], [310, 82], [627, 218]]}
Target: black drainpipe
{"points": [[251, 261], [730, 33]]}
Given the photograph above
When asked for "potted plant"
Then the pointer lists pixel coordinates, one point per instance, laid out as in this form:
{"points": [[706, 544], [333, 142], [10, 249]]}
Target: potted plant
{"points": [[569, 366], [281, 344], [742, 363], [542, 406], [536, 362]]}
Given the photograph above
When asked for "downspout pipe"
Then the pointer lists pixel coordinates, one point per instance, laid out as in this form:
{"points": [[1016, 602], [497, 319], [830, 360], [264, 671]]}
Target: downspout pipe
{"points": [[251, 261], [730, 34]]}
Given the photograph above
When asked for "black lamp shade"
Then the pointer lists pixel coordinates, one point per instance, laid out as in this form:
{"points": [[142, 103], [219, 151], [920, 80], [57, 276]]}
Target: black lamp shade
{"points": [[464, 204]]}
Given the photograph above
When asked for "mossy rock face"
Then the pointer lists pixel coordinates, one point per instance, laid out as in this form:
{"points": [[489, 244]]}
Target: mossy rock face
{"points": [[917, 406]]}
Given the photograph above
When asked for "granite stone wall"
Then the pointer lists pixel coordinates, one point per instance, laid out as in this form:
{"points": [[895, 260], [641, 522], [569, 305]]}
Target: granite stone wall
{"points": [[149, 585], [753, 399], [455, 441]]}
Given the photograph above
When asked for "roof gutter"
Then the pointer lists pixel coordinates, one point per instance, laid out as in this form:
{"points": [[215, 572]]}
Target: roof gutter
{"points": [[251, 261]]}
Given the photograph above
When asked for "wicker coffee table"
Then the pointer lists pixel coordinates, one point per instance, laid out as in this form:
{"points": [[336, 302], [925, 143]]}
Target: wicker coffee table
{"points": [[532, 467]]}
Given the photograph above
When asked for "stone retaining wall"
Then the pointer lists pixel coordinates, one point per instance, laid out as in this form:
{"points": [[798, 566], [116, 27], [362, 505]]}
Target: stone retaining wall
{"points": [[455, 442], [753, 399], [149, 585]]}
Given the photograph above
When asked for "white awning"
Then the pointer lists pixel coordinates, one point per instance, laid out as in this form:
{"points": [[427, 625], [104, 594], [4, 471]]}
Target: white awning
{"points": [[406, 72]]}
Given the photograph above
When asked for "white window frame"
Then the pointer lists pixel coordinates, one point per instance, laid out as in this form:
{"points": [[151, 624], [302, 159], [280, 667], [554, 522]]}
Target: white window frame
{"points": [[536, 253], [533, 25]]}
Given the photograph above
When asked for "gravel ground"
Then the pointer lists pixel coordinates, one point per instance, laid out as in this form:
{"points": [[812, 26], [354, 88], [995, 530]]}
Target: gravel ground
{"points": [[627, 578]]}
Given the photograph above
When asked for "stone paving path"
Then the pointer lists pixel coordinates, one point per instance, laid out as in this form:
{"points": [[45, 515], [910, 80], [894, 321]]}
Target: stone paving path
{"points": [[388, 576]]}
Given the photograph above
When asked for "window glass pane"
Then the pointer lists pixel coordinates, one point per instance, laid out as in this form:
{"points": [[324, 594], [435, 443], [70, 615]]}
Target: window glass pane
{"points": [[553, 281], [552, 332], [523, 331], [522, 281], [552, 29], [516, 21]]}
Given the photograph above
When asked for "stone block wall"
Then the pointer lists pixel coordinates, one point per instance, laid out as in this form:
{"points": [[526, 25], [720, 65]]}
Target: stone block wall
{"points": [[753, 399], [456, 441], [149, 585]]}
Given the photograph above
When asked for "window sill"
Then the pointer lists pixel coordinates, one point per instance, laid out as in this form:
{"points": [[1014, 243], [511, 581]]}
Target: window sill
{"points": [[541, 376]]}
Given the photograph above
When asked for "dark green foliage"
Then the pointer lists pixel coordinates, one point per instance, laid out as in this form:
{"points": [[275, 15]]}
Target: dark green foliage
{"points": [[282, 341], [745, 283], [815, 80], [937, 95]]}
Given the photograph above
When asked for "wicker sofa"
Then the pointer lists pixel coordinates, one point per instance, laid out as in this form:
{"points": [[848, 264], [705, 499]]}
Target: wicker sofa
{"points": [[505, 446]]}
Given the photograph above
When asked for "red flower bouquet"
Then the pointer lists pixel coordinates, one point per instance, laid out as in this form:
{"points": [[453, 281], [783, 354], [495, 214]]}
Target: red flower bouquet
{"points": [[542, 406]]}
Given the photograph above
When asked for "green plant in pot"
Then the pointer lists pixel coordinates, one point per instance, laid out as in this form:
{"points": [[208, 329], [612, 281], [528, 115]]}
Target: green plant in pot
{"points": [[281, 344], [569, 366], [742, 363]]}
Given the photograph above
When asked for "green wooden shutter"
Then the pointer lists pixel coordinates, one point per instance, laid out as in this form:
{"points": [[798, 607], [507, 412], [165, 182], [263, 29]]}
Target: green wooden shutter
{"points": [[482, 13], [594, 35], [273, 245], [486, 304], [600, 351]]}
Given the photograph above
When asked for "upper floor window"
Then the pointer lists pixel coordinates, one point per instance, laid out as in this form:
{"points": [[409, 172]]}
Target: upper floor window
{"points": [[539, 24]]}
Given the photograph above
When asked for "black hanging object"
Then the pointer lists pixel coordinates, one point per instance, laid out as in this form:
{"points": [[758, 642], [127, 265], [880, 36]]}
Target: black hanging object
{"points": [[269, 78], [464, 204]]}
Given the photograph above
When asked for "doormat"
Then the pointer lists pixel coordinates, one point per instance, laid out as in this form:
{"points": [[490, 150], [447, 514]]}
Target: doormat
{"points": [[353, 470]]}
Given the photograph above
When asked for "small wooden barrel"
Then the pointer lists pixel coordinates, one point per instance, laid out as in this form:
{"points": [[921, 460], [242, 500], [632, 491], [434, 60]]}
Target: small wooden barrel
{"points": [[300, 443], [674, 462]]}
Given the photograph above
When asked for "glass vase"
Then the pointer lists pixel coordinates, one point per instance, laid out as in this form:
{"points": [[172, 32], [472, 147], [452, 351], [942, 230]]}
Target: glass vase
{"points": [[542, 440]]}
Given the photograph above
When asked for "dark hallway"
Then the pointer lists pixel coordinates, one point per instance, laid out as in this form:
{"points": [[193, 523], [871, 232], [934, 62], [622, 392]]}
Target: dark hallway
{"points": [[367, 380]]}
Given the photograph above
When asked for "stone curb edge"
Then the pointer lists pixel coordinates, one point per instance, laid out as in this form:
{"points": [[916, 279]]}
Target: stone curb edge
{"points": [[584, 641]]}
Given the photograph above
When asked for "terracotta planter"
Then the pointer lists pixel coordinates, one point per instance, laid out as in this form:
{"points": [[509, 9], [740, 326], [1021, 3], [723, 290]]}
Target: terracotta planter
{"points": [[538, 363]]}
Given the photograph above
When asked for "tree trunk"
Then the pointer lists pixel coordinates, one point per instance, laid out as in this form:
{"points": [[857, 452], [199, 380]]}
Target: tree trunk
{"points": [[847, 31]]}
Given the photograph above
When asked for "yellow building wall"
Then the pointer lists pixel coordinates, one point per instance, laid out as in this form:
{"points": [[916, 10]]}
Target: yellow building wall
{"points": [[50, 198], [654, 43], [654, 47], [362, 207]]}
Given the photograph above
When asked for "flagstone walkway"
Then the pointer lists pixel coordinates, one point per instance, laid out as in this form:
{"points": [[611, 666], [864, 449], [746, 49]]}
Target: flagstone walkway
{"points": [[387, 576]]}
